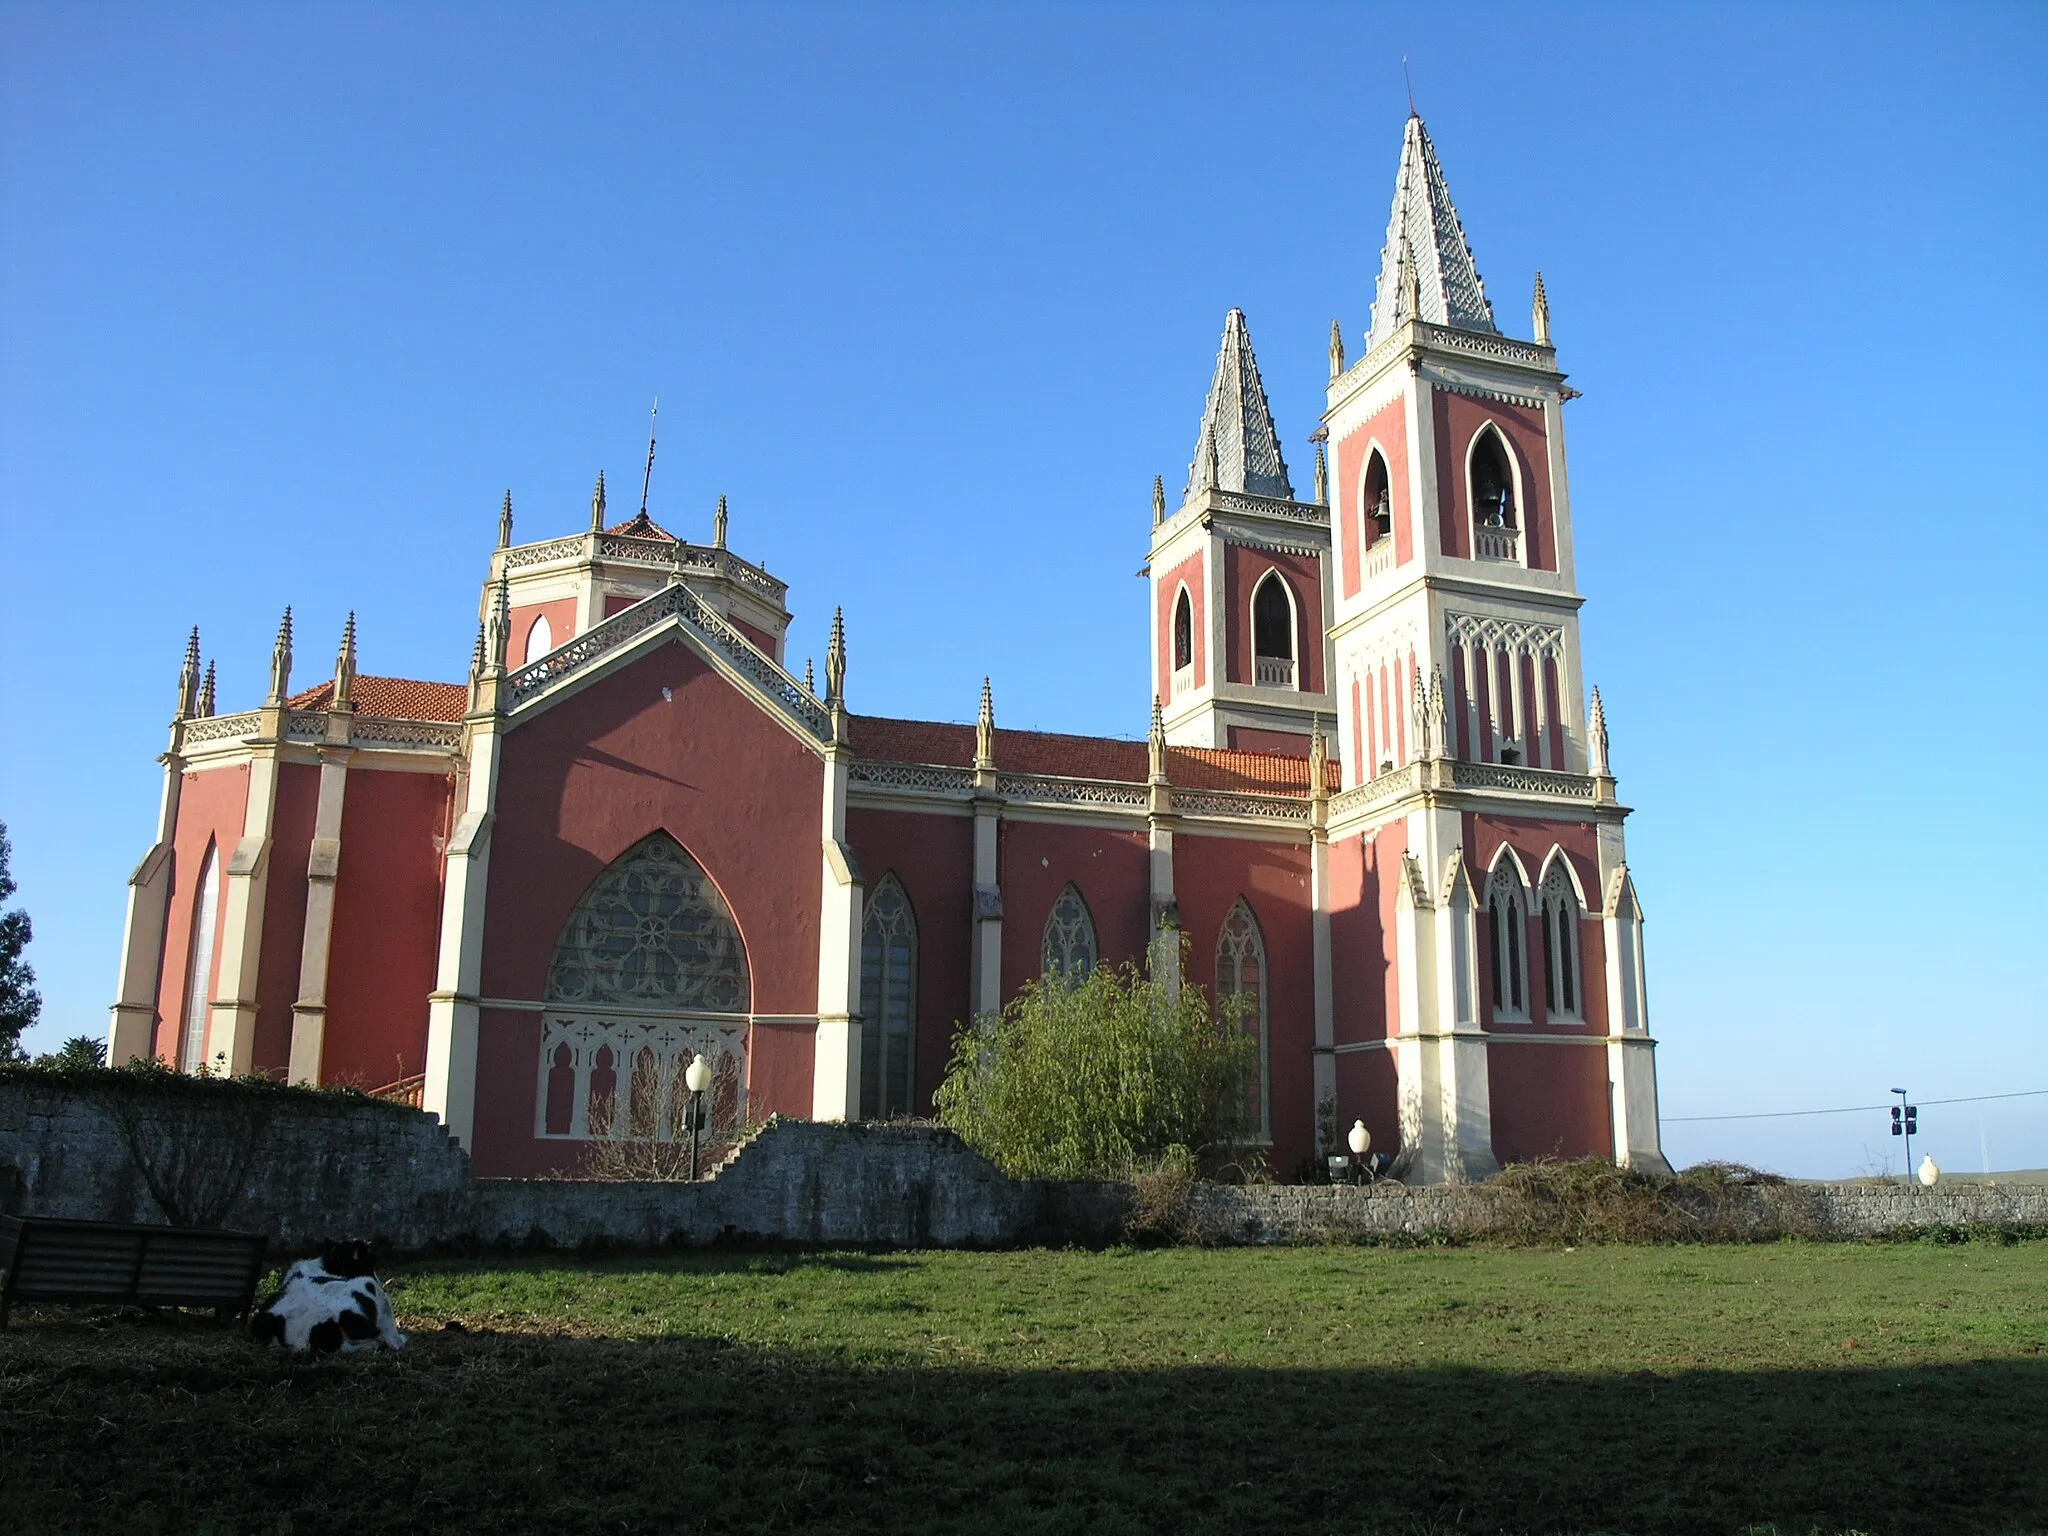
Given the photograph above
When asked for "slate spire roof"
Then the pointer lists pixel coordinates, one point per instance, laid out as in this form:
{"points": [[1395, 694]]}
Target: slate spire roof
{"points": [[1424, 234], [1238, 450]]}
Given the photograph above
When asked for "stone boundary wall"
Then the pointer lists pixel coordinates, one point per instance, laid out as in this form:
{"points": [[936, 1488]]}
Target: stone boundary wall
{"points": [[325, 1169]]}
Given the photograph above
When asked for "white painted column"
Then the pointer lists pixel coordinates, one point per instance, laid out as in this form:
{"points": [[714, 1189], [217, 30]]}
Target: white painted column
{"points": [[835, 1082], [231, 1026], [985, 958], [131, 1029], [454, 1010], [1463, 1071], [1325, 1073], [1631, 1053], [309, 1012]]}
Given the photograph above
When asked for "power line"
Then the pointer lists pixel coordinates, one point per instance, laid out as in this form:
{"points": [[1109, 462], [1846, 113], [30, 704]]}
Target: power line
{"points": [[1853, 1109]]}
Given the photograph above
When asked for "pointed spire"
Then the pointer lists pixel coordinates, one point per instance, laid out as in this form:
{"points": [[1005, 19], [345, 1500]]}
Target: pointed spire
{"points": [[985, 729], [718, 525], [498, 634], [1596, 738], [835, 660], [205, 710], [810, 681], [1322, 472], [188, 677], [345, 667], [476, 664], [505, 523], [1238, 449], [597, 505], [1158, 500], [1318, 761], [1426, 267], [1336, 349], [1439, 734], [1539, 313], [281, 661], [1155, 744]]}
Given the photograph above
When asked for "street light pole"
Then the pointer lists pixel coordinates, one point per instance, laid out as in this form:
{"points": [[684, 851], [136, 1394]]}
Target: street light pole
{"points": [[696, 1078]]}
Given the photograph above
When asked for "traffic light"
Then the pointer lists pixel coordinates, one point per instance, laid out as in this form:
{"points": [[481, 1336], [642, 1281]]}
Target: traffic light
{"points": [[1898, 1129], [1912, 1119]]}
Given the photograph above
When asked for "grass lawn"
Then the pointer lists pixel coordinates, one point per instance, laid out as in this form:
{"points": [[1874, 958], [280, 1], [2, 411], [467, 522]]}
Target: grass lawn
{"points": [[1883, 1388]]}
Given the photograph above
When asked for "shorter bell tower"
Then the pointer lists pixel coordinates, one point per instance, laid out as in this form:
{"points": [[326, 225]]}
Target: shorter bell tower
{"points": [[1240, 579]]}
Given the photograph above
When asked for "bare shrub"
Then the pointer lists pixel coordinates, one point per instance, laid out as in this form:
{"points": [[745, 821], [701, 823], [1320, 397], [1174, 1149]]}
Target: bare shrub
{"points": [[1162, 1209], [654, 1144], [1593, 1200]]}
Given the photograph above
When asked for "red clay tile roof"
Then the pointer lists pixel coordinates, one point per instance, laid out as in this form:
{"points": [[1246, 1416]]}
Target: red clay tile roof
{"points": [[641, 526], [1080, 757], [397, 698]]}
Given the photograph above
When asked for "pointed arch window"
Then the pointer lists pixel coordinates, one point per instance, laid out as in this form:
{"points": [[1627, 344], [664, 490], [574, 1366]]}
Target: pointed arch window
{"points": [[199, 969], [1377, 499], [1496, 519], [1562, 980], [540, 639], [1183, 642], [1069, 950], [1508, 916], [888, 1002], [1273, 632], [1241, 973]]}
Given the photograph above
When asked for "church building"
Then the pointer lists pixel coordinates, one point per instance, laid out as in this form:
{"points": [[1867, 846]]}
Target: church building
{"points": [[1374, 798]]}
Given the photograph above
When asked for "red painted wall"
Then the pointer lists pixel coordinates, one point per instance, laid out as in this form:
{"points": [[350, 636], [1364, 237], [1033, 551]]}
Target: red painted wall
{"points": [[1209, 875], [1243, 570], [1035, 860], [1386, 430], [1188, 572], [933, 857], [761, 638], [561, 617], [1245, 738], [212, 804], [387, 920], [1369, 1089], [1548, 1100], [1361, 963], [1458, 420], [586, 780], [284, 915]]}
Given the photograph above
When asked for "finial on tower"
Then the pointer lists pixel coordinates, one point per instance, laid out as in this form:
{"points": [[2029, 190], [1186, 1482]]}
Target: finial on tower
{"points": [[498, 637], [281, 661], [810, 681], [1322, 470], [1155, 744], [597, 505], [718, 525], [1158, 500], [1439, 730], [985, 729], [1596, 738], [505, 523], [1539, 312], [835, 661], [1336, 349], [188, 677], [205, 709], [1411, 285], [345, 667], [1318, 760]]}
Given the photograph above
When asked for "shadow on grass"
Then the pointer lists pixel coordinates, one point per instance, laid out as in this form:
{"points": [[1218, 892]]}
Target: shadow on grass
{"points": [[106, 1428]]}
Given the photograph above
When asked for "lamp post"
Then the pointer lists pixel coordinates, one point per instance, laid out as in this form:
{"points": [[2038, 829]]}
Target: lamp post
{"points": [[696, 1078], [1360, 1140]]}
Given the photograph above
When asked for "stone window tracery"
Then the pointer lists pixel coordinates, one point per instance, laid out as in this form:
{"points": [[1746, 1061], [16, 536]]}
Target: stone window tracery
{"points": [[1562, 980], [888, 1002], [1509, 921], [1241, 973], [1069, 950]]}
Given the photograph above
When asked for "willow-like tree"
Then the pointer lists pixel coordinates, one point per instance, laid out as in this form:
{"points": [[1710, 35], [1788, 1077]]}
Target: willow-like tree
{"points": [[1099, 1077]]}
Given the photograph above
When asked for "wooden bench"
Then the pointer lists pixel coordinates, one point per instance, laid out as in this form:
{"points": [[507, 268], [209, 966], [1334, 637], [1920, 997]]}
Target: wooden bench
{"points": [[44, 1259]]}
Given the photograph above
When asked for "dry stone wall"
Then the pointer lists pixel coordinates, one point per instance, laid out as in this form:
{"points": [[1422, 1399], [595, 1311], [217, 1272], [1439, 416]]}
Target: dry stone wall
{"points": [[322, 1168]]}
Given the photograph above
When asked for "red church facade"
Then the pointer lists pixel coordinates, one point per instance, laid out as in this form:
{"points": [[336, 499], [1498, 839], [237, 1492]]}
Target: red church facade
{"points": [[1371, 801]]}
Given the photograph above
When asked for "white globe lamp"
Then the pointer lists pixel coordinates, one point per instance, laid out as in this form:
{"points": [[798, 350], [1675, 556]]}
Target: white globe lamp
{"points": [[1929, 1174], [1360, 1138], [698, 1077]]}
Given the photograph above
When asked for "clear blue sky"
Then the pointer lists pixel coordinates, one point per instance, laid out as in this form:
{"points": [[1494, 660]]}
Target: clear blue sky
{"points": [[289, 295]]}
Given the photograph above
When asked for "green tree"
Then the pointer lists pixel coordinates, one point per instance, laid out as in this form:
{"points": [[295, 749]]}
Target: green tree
{"points": [[1099, 1078], [20, 1003], [77, 1054]]}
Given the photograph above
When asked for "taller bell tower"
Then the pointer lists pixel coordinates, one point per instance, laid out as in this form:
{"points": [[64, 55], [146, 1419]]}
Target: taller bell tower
{"points": [[1240, 579]]}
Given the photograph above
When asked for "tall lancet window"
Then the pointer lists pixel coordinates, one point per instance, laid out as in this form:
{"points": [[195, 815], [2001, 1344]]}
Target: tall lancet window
{"points": [[1273, 632], [199, 972], [1183, 641], [540, 639], [888, 1002], [1069, 951], [1241, 973], [1495, 519], [1509, 919], [1376, 502], [1561, 978]]}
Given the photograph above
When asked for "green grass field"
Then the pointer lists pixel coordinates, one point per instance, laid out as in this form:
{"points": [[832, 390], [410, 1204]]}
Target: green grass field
{"points": [[1833, 1387]]}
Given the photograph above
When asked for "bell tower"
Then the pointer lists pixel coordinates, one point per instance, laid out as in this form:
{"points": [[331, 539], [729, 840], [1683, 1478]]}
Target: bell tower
{"points": [[1240, 582]]}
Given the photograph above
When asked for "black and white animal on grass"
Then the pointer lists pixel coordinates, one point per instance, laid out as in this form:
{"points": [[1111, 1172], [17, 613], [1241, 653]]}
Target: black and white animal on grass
{"points": [[329, 1304]]}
